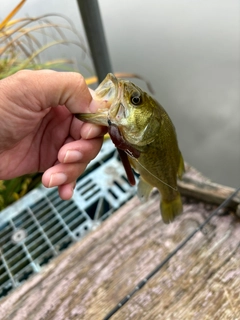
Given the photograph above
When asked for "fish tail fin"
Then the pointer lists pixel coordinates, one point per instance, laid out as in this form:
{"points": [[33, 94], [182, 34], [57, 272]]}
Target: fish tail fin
{"points": [[170, 210]]}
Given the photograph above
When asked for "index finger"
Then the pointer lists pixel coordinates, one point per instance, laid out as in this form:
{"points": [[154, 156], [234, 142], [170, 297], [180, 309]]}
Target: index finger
{"points": [[42, 89]]}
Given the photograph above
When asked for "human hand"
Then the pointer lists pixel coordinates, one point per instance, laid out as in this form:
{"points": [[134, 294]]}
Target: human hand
{"points": [[38, 131]]}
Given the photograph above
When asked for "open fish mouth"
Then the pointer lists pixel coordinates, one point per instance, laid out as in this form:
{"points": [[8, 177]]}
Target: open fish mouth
{"points": [[117, 109], [117, 112], [106, 93], [108, 89], [121, 113]]}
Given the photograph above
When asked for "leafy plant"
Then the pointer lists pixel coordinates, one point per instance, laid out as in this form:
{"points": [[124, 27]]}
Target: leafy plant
{"points": [[21, 47]]}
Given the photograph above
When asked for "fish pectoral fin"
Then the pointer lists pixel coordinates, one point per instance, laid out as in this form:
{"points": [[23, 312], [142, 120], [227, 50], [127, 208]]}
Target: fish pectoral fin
{"points": [[144, 190], [181, 168], [170, 210]]}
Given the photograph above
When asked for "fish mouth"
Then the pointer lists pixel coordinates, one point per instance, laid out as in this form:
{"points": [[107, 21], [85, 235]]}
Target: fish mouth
{"points": [[110, 96], [111, 91], [108, 89], [118, 110], [121, 113]]}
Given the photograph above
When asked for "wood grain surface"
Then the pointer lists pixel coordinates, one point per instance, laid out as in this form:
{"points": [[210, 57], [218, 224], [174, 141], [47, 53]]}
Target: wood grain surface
{"points": [[202, 281]]}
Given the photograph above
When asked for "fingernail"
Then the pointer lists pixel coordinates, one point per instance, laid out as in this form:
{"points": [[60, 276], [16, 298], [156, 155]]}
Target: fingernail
{"points": [[93, 131], [72, 156], [57, 179]]}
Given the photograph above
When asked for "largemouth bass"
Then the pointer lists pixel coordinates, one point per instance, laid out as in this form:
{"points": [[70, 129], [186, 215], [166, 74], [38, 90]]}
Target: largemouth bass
{"points": [[145, 137]]}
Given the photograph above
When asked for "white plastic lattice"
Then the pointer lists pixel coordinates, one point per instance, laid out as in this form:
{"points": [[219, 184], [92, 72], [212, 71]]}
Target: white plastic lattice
{"points": [[39, 226]]}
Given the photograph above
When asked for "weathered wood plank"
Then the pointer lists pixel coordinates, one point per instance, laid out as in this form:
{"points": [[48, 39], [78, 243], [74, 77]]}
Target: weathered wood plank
{"points": [[200, 282], [195, 185]]}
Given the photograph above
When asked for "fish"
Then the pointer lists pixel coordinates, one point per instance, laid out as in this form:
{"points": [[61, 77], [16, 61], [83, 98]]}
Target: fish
{"points": [[146, 140]]}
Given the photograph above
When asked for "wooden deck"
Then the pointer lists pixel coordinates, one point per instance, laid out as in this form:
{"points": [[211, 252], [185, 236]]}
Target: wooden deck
{"points": [[201, 281]]}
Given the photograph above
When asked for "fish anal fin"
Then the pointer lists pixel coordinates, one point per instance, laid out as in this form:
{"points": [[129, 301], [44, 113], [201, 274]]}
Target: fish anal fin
{"points": [[144, 190]]}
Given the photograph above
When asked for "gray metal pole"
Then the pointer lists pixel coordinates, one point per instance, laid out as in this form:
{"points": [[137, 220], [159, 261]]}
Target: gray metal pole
{"points": [[91, 17]]}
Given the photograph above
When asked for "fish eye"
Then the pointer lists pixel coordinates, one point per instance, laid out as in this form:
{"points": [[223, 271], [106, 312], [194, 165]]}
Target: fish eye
{"points": [[136, 99]]}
